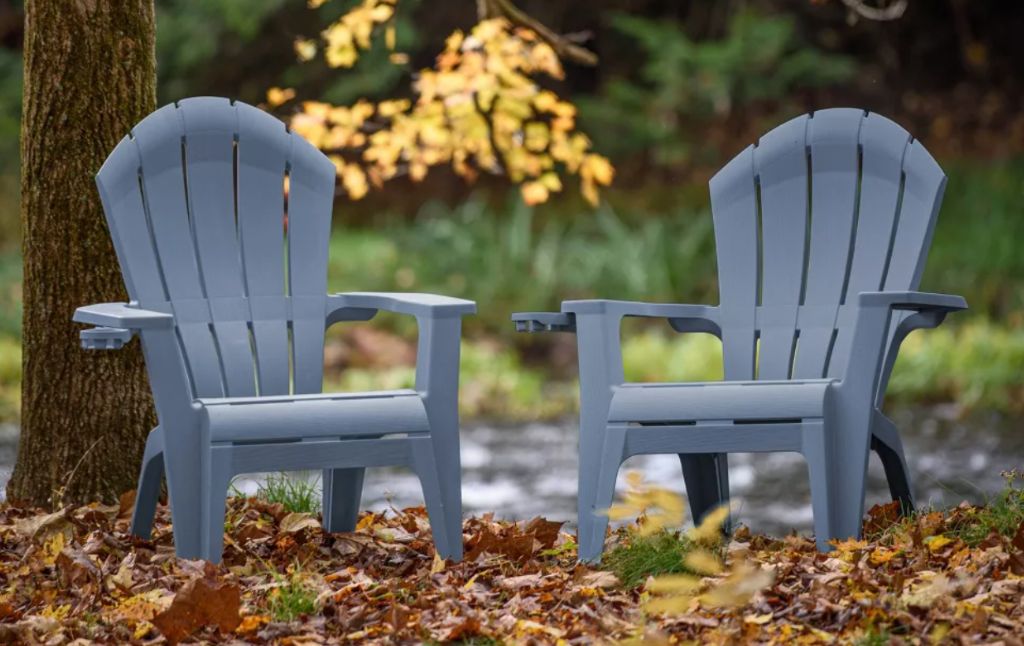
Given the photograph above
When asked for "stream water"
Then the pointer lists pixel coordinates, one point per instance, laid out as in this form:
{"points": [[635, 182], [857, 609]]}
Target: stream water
{"points": [[530, 470]]}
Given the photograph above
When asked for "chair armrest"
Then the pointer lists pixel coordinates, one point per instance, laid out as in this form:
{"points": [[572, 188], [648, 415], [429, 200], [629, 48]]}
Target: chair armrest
{"points": [[544, 321], [123, 315], [870, 354], [916, 301], [425, 305], [682, 317]]}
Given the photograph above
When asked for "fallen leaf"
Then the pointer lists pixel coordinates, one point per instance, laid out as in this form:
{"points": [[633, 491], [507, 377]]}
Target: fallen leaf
{"points": [[298, 521], [202, 602]]}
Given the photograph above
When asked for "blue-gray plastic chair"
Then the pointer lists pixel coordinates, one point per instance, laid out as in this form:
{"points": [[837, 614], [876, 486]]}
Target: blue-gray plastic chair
{"points": [[822, 229], [221, 219]]}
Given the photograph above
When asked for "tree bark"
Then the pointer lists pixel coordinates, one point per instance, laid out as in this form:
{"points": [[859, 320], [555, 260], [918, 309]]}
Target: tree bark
{"points": [[90, 75]]}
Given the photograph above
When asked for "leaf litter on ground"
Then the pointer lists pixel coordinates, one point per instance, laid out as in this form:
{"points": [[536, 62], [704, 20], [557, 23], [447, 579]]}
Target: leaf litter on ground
{"points": [[78, 574]]}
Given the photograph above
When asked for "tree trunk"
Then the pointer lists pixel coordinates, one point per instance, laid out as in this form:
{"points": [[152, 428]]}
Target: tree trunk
{"points": [[90, 75]]}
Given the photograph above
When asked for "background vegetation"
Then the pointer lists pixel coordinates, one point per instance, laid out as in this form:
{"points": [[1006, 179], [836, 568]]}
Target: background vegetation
{"points": [[680, 87]]}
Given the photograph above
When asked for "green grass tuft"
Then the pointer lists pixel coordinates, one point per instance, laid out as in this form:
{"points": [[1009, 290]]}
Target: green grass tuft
{"points": [[292, 600], [295, 493], [1003, 514], [874, 637], [645, 556]]}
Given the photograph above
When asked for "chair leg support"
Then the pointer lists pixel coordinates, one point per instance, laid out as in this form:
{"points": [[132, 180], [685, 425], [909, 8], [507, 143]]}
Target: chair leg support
{"points": [[148, 493], [707, 482], [593, 522], [896, 474], [444, 511], [342, 490], [886, 442]]}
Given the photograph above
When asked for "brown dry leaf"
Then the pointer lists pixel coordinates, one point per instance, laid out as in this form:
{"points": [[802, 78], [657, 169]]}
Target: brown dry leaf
{"points": [[45, 524], [600, 579], [521, 582], [545, 531], [202, 602], [882, 517], [298, 521]]}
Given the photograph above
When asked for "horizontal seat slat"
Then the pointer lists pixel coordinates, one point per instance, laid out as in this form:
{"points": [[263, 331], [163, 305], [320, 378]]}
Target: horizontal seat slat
{"points": [[725, 400], [269, 418]]}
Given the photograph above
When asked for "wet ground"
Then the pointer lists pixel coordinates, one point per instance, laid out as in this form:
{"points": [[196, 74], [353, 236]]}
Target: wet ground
{"points": [[530, 470]]}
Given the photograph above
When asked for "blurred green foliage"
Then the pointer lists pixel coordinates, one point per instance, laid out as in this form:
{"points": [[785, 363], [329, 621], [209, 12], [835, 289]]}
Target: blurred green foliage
{"points": [[684, 82], [653, 103]]}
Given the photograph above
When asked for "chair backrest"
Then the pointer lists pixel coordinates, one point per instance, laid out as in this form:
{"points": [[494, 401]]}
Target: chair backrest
{"points": [[823, 207], [222, 216]]}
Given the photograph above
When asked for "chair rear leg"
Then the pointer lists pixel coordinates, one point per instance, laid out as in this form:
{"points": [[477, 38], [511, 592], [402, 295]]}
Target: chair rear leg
{"points": [[707, 482], [445, 514], [885, 441], [593, 520], [148, 493], [342, 490]]}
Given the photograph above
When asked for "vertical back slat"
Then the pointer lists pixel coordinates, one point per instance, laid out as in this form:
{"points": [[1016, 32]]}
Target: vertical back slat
{"points": [[924, 183], [882, 148], [833, 142], [734, 205], [159, 142], [210, 125], [781, 165], [118, 182], [883, 144], [263, 144], [310, 197]]}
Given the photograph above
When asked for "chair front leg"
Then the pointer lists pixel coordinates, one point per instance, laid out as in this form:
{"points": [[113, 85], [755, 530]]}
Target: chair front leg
{"points": [[600, 367], [437, 380]]}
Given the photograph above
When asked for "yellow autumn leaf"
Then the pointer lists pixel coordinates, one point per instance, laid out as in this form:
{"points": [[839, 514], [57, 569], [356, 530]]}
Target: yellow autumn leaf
{"points": [[305, 49], [276, 96], [673, 584], [536, 193], [675, 605], [703, 562], [710, 528], [354, 180], [437, 565], [936, 543]]}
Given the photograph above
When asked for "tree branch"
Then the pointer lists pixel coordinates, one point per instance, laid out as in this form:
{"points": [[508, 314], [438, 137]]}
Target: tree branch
{"points": [[565, 48], [882, 14]]}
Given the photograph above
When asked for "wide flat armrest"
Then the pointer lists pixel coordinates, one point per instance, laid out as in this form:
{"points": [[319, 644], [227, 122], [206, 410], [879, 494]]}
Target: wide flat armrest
{"points": [[544, 321], [682, 317], [919, 301], [635, 308], [429, 305], [124, 316]]}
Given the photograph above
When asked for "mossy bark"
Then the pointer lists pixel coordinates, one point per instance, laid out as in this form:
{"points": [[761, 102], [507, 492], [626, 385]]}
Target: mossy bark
{"points": [[90, 75]]}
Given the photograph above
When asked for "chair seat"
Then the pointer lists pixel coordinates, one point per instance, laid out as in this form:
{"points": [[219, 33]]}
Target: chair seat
{"points": [[741, 401], [275, 418]]}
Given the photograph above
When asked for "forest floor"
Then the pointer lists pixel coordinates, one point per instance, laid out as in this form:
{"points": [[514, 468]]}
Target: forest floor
{"points": [[953, 576]]}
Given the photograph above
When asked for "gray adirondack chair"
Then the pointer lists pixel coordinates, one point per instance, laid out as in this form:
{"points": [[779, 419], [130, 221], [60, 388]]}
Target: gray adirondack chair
{"points": [[822, 229], [221, 217]]}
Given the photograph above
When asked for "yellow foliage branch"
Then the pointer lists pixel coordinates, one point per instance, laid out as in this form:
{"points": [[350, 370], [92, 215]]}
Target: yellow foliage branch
{"points": [[478, 110]]}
